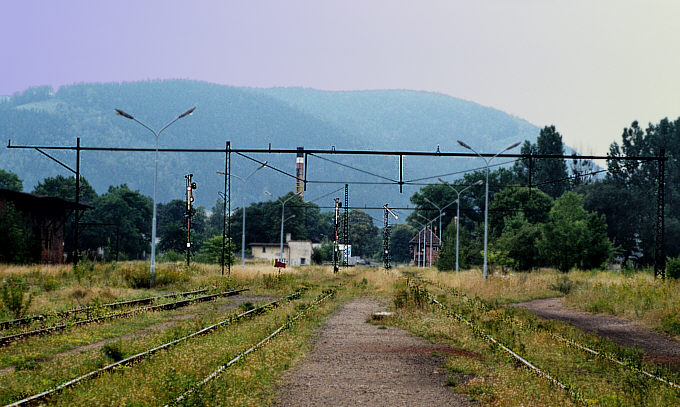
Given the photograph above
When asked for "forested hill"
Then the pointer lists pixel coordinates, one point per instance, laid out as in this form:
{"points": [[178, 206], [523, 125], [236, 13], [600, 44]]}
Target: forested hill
{"points": [[284, 117]]}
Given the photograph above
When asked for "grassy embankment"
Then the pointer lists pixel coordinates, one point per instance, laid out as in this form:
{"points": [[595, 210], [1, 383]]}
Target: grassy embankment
{"points": [[479, 370]]}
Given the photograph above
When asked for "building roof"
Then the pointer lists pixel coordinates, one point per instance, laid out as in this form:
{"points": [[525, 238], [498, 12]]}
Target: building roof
{"points": [[28, 201], [424, 235]]}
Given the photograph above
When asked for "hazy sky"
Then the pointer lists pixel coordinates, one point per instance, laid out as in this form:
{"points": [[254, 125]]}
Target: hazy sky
{"points": [[588, 66]]}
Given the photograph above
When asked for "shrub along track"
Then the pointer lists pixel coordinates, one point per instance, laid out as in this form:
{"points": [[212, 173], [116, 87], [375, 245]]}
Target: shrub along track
{"points": [[36, 398], [161, 307], [114, 305], [472, 308]]}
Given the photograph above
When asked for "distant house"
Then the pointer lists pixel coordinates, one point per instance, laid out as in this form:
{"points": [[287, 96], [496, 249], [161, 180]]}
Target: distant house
{"points": [[296, 253], [46, 217], [423, 252]]}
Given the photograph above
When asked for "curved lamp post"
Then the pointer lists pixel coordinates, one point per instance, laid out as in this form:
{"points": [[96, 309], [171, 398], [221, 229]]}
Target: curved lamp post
{"points": [[480, 182], [119, 112], [486, 195], [243, 208]]}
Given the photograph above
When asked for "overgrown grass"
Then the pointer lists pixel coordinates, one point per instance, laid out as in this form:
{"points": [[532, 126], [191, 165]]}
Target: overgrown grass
{"points": [[495, 379]]}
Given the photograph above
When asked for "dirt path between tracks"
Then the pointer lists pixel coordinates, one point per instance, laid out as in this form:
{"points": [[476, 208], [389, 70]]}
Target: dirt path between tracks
{"points": [[357, 363], [657, 348]]}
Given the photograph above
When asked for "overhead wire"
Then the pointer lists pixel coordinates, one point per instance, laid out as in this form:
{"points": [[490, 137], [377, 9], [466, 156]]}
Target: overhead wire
{"points": [[353, 168]]}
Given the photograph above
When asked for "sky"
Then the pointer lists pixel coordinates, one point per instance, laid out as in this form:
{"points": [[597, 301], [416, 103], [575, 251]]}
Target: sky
{"points": [[588, 67]]}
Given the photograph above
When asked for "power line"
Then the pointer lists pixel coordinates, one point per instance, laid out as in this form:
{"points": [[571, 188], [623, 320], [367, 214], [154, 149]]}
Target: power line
{"points": [[354, 168]]}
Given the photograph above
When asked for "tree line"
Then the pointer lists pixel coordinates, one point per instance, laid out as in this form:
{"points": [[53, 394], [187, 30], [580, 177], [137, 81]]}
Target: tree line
{"points": [[542, 212]]}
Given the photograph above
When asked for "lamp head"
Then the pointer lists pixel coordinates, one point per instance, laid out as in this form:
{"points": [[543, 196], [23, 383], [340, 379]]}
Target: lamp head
{"points": [[187, 113], [125, 115], [513, 146], [464, 145], [479, 182]]}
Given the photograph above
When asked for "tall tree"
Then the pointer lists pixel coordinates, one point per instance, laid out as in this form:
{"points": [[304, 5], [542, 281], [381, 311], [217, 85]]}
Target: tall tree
{"points": [[548, 174], [128, 209], [11, 181], [573, 237]]}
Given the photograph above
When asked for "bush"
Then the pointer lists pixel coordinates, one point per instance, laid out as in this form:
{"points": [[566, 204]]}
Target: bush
{"points": [[412, 295], [138, 276], [563, 285], [673, 268], [13, 292], [172, 256], [113, 351]]}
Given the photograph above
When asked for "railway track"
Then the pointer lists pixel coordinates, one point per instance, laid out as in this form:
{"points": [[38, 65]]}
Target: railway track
{"points": [[217, 372], [61, 314], [5, 340], [40, 397], [475, 303]]}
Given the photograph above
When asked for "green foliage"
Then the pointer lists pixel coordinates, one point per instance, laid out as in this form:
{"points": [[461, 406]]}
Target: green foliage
{"points": [[673, 268], [363, 234], [411, 295], [563, 285], [11, 181], [65, 188], [469, 250], [18, 242], [519, 243], [130, 211], [138, 276], [211, 252], [573, 237], [13, 294], [113, 351], [83, 270], [171, 256], [323, 253], [548, 174], [400, 250], [533, 205]]}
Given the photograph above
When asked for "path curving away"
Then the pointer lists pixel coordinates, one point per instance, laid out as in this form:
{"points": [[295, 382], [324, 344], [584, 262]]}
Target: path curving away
{"points": [[657, 348], [357, 363]]}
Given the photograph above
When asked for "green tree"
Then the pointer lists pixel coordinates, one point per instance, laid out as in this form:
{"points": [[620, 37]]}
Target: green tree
{"points": [[400, 250], [128, 209], [211, 251], [470, 250], [533, 204], [363, 234], [548, 174], [573, 237], [18, 242], [65, 188], [11, 181], [519, 242]]}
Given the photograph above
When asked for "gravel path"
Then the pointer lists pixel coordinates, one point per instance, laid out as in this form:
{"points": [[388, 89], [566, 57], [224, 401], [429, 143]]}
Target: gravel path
{"points": [[658, 348], [357, 363]]}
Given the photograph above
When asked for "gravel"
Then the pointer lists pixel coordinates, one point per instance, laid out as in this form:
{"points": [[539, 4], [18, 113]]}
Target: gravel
{"points": [[357, 363]]}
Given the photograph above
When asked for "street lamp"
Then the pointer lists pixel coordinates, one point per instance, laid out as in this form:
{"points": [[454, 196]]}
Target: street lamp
{"points": [[479, 182], [283, 208], [243, 209], [119, 112], [486, 195], [441, 213]]}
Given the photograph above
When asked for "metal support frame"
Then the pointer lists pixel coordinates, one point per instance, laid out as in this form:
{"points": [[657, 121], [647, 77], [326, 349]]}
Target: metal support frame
{"points": [[660, 243], [345, 234], [228, 200], [76, 211], [336, 225], [659, 261]]}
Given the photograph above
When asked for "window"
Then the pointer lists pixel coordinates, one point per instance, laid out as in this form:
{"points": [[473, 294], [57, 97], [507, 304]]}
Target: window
{"points": [[264, 249], [302, 261]]}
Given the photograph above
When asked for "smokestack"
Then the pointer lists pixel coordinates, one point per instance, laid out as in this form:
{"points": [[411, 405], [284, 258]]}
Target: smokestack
{"points": [[300, 172]]}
